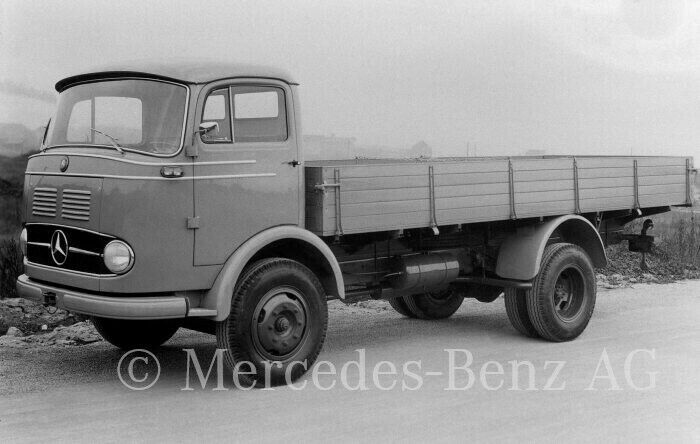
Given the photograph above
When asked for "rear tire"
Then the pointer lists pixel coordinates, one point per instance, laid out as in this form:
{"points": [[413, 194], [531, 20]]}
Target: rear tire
{"points": [[278, 320], [516, 308], [399, 304], [563, 294], [434, 305], [129, 334]]}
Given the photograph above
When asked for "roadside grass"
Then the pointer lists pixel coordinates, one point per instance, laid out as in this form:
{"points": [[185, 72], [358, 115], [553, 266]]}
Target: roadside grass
{"points": [[11, 187], [10, 267]]}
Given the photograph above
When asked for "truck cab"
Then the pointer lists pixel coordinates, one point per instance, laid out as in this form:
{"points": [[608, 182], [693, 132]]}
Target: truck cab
{"points": [[129, 157]]}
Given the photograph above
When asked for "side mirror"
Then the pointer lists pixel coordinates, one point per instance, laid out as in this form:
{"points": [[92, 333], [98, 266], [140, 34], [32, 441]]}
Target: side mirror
{"points": [[207, 127]]}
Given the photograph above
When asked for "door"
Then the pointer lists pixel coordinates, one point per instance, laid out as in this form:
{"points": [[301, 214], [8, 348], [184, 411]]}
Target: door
{"points": [[246, 178]]}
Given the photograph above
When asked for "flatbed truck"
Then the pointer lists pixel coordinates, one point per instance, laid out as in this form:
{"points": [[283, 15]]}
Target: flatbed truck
{"points": [[176, 195]]}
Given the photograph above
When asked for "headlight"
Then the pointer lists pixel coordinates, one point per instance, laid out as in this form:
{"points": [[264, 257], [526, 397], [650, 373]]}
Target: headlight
{"points": [[23, 241], [118, 257]]}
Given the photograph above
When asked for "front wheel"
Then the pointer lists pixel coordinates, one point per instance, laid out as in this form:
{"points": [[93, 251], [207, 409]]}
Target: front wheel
{"points": [[277, 323], [130, 334], [563, 294]]}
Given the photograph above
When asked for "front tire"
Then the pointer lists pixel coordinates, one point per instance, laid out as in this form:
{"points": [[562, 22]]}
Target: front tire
{"points": [[434, 305], [129, 334], [561, 301], [277, 323]]}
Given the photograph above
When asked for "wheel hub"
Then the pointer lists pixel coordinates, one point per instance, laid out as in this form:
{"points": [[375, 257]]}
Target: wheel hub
{"points": [[279, 323], [568, 294], [439, 297], [282, 324], [562, 293]]}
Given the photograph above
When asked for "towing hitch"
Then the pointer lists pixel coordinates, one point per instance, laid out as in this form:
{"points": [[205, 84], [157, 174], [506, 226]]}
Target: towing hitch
{"points": [[49, 299]]}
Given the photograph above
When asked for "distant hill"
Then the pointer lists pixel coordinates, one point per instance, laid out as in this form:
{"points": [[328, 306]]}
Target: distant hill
{"points": [[16, 139]]}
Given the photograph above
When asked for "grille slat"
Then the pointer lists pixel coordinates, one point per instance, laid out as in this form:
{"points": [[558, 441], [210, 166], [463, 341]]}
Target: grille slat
{"points": [[68, 216], [72, 206], [44, 202], [44, 190], [76, 202]]}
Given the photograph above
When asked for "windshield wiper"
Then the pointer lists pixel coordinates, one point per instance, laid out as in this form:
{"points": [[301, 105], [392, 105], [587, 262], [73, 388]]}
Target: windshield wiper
{"points": [[114, 142]]}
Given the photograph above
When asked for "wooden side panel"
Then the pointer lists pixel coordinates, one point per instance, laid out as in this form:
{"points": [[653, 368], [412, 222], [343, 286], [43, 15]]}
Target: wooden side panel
{"points": [[384, 195], [543, 187]]}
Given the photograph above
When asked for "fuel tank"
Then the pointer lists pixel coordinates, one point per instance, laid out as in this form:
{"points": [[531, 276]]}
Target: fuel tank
{"points": [[424, 272]]}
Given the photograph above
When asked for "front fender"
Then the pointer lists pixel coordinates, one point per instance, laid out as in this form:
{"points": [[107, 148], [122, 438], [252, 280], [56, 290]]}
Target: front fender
{"points": [[219, 296], [521, 253]]}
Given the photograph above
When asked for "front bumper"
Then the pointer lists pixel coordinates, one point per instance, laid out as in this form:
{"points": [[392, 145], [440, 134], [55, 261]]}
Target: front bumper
{"points": [[156, 307]]}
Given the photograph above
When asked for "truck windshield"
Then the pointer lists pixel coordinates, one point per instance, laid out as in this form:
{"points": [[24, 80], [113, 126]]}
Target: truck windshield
{"points": [[137, 115]]}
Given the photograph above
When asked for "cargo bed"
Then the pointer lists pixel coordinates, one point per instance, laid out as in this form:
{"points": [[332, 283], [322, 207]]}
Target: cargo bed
{"points": [[363, 195]]}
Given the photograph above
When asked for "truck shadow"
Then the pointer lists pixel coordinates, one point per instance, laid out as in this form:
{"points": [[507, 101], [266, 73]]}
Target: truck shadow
{"points": [[382, 333]]}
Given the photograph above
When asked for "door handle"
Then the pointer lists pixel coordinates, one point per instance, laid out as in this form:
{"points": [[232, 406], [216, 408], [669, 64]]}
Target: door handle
{"points": [[294, 163]]}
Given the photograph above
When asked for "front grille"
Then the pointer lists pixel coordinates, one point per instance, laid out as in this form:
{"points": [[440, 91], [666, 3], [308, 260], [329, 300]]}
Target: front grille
{"points": [[44, 202], [75, 204], [84, 248]]}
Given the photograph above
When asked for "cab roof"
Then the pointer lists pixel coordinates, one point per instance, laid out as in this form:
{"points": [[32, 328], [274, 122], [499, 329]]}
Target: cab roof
{"points": [[188, 71]]}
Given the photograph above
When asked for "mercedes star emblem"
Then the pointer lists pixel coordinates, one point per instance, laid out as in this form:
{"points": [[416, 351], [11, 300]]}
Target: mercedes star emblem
{"points": [[59, 247]]}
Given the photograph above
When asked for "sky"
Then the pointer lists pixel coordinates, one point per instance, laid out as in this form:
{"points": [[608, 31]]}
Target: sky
{"points": [[505, 77]]}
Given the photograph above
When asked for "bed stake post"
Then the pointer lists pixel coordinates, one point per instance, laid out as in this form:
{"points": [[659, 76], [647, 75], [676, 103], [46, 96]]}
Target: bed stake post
{"points": [[688, 186], [431, 188], [511, 190], [338, 220], [577, 200], [636, 185]]}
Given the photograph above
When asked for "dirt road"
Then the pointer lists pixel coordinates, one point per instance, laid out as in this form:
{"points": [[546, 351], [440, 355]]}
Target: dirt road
{"points": [[74, 393]]}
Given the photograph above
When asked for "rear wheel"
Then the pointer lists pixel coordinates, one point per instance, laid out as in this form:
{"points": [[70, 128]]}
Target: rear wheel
{"points": [[516, 308], [128, 334], [277, 323], [399, 304], [563, 294], [434, 305]]}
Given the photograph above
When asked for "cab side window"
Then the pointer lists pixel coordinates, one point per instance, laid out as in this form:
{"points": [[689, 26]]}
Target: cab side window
{"points": [[216, 109], [259, 114]]}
